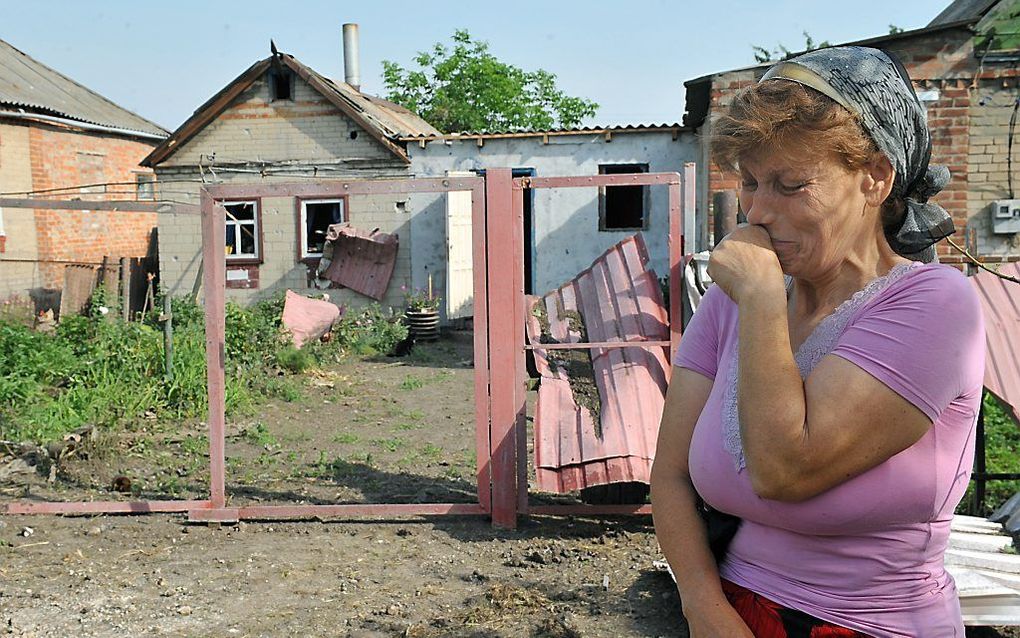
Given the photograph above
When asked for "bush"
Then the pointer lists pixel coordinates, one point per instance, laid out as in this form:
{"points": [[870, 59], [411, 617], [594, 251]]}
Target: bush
{"points": [[294, 360], [370, 330]]}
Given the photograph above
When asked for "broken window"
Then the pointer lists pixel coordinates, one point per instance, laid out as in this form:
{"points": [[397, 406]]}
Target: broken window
{"points": [[145, 186], [242, 230], [623, 207], [316, 218], [281, 85]]}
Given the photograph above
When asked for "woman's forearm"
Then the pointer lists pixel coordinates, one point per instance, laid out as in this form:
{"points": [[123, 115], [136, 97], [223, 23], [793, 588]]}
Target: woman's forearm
{"points": [[770, 394], [682, 537]]}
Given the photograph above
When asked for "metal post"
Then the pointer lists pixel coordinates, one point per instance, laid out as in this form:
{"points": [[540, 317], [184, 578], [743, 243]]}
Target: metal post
{"points": [[979, 463], [479, 325], [676, 252], [214, 260], [520, 365], [502, 339], [724, 205]]}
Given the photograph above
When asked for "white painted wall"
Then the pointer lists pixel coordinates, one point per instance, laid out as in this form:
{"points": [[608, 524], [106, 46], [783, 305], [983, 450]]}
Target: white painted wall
{"points": [[566, 221]]}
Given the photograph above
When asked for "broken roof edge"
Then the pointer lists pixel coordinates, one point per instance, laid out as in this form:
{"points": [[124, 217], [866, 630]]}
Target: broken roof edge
{"points": [[676, 127], [703, 95], [220, 102]]}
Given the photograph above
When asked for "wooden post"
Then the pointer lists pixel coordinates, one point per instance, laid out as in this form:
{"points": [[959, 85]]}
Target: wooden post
{"points": [[168, 338], [125, 288]]}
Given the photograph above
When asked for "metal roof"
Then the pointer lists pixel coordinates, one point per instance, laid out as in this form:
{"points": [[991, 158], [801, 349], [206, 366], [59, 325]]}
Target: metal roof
{"points": [[617, 299], [971, 10], [1000, 303], [361, 260], [522, 132], [29, 85]]}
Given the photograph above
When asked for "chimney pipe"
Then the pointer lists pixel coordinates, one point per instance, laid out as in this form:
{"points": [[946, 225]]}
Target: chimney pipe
{"points": [[352, 73]]}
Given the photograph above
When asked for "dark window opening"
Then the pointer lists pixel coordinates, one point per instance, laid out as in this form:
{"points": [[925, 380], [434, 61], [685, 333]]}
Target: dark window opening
{"points": [[281, 85], [623, 207], [317, 218], [354, 135]]}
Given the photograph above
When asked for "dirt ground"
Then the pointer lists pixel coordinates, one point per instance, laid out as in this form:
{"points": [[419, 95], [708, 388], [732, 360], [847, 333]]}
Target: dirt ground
{"points": [[366, 430]]}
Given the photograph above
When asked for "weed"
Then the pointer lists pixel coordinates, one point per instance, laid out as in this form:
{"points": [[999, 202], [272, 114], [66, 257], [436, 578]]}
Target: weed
{"points": [[411, 382], [283, 388], [404, 427], [415, 415], [431, 451], [390, 445], [370, 330], [294, 360], [259, 434], [346, 438]]}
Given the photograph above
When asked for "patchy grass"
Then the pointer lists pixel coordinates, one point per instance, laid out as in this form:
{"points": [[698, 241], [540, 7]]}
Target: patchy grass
{"points": [[411, 382]]}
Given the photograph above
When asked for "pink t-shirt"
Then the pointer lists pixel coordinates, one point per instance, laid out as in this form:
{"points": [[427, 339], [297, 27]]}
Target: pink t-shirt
{"points": [[867, 554]]}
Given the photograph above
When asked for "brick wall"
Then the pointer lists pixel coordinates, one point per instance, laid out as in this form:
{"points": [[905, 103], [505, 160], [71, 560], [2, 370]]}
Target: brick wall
{"points": [[989, 129], [305, 133], [255, 129], [966, 136], [62, 158], [19, 272]]}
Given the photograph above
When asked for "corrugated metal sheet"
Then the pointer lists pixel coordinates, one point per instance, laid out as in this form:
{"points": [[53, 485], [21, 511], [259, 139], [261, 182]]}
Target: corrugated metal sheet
{"points": [[617, 299], [1000, 302], [391, 119], [362, 260], [26, 83], [523, 132], [987, 572]]}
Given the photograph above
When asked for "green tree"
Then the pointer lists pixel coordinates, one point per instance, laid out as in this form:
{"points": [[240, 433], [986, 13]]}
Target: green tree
{"points": [[465, 88], [762, 54]]}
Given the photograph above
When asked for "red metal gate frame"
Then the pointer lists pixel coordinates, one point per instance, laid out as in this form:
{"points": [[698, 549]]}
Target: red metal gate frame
{"points": [[497, 207], [506, 304]]}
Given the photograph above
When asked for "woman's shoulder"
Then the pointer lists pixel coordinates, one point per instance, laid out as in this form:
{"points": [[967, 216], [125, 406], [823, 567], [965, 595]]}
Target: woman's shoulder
{"points": [[940, 289], [932, 277]]}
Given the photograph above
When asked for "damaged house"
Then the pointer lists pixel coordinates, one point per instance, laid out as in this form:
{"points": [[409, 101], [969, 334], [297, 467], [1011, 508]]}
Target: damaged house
{"points": [[56, 134], [281, 121]]}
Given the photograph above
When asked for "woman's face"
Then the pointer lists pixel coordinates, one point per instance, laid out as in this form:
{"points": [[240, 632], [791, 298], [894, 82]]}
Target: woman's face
{"points": [[814, 212]]}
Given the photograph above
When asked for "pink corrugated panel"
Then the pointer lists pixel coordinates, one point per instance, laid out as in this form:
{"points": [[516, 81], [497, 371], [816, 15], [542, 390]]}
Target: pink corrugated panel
{"points": [[362, 260], [1000, 301], [616, 299]]}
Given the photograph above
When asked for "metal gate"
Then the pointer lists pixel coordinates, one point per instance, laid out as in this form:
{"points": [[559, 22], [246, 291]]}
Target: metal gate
{"points": [[499, 349]]}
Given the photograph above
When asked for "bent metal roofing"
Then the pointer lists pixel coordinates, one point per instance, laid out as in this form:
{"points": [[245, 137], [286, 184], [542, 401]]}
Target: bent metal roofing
{"points": [[27, 85]]}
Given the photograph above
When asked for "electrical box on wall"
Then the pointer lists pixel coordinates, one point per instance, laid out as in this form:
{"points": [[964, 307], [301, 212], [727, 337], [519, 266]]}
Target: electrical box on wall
{"points": [[1006, 216]]}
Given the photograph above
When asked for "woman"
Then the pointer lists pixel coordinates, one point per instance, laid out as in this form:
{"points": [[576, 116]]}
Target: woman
{"points": [[827, 388]]}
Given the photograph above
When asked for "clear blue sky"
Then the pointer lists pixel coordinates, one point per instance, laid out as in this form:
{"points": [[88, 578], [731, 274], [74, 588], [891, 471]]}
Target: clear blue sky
{"points": [[163, 60]]}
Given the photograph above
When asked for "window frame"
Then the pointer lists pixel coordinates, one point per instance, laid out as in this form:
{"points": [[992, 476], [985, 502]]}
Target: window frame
{"points": [[143, 181], [246, 260], [301, 213], [275, 76], [645, 198]]}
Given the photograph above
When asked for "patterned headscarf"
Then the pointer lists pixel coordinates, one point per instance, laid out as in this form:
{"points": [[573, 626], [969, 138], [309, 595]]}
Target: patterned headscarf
{"points": [[877, 89]]}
